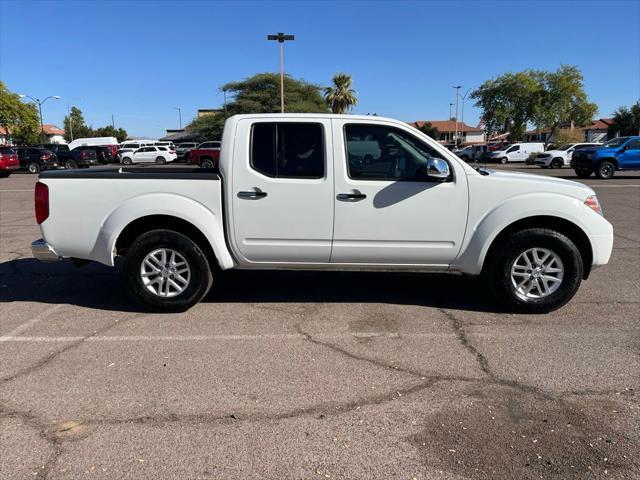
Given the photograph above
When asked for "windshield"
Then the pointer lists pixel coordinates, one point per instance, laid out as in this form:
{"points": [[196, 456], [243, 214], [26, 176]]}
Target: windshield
{"points": [[566, 146], [615, 142]]}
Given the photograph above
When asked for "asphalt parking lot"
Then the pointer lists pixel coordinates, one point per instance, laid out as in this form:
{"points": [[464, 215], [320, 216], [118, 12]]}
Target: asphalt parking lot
{"points": [[317, 375]]}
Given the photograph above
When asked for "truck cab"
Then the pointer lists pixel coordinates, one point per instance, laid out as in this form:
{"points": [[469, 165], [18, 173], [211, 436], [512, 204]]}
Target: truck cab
{"points": [[621, 153]]}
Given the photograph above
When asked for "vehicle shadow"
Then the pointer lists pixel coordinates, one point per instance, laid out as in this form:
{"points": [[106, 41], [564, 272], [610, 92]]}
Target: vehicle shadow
{"points": [[100, 287]]}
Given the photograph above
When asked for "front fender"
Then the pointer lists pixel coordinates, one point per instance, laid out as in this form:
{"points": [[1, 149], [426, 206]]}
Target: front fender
{"points": [[488, 227], [184, 208]]}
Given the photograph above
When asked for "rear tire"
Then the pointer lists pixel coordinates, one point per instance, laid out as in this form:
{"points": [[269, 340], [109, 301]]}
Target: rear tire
{"points": [[207, 163], [581, 173], [161, 161], [509, 281], [33, 167], [605, 170], [70, 164], [195, 283]]}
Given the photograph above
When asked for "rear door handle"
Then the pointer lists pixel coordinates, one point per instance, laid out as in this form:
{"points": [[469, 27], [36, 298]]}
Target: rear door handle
{"points": [[351, 196], [252, 194]]}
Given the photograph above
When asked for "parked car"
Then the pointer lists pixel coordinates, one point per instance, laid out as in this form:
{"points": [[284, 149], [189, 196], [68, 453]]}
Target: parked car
{"points": [[206, 155], [183, 149], [286, 197], [169, 145], [104, 154], [622, 153], [560, 157], [9, 162], [134, 145], [77, 158], [93, 141], [35, 159], [159, 155], [516, 152]]}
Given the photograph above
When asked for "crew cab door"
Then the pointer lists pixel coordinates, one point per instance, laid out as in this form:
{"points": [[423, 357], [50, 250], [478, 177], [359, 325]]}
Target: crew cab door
{"points": [[630, 158], [387, 211], [282, 191]]}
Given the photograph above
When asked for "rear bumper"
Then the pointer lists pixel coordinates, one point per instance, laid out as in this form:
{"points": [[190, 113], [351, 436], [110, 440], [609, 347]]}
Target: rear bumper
{"points": [[44, 252]]}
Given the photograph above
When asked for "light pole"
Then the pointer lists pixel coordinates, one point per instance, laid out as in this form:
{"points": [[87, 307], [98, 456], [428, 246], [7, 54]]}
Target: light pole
{"points": [[457, 87], [70, 122], [179, 115], [37, 100], [462, 114], [450, 114], [281, 38]]}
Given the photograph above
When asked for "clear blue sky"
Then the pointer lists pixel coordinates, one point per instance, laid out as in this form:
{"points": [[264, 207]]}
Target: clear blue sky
{"points": [[139, 60]]}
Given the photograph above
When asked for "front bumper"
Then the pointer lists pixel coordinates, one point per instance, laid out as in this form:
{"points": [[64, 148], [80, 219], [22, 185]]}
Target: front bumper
{"points": [[542, 162], [44, 252]]}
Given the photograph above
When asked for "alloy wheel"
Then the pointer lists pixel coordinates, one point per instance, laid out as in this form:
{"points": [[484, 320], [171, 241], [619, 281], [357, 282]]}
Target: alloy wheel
{"points": [[536, 273], [165, 272]]}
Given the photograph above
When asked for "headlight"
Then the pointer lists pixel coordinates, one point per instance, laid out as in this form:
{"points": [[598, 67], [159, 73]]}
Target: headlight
{"points": [[593, 203]]}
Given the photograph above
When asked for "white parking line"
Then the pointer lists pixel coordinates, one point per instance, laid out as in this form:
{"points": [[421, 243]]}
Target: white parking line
{"points": [[269, 336], [21, 190], [21, 328], [613, 186]]}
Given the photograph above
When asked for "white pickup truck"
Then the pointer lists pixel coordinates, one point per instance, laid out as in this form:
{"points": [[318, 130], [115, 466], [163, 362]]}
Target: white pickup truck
{"points": [[293, 192]]}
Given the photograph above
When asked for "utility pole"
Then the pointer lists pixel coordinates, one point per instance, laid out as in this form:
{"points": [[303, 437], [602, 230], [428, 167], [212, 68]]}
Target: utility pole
{"points": [[450, 114], [457, 87], [70, 122], [281, 38], [179, 115]]}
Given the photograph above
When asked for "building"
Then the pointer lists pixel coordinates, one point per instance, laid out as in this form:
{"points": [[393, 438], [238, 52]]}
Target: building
{"points": [[597, 131], [53, 133], [468, 135]]}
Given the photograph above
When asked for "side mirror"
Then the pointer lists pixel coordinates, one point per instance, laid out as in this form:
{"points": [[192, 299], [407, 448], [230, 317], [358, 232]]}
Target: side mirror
{"points": [[438, 169]]}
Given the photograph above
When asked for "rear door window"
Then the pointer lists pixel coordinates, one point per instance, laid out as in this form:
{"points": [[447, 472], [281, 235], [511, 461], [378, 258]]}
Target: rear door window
{"points": [[288, 150]]}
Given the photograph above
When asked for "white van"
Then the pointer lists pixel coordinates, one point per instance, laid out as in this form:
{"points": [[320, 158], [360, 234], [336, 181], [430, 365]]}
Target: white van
{"points": [[94, 141], [516, 152]]}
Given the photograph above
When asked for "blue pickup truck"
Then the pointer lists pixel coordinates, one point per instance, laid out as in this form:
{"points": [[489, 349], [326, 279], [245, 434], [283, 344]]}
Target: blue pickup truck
{"points": [[622, 153]]}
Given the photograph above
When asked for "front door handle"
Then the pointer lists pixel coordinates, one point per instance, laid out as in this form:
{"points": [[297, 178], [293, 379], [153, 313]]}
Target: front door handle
{"points": [[351, 196], [252, 194]]}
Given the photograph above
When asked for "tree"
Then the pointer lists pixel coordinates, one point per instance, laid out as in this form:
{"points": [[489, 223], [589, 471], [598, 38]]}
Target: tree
{"points": [[18, 118], [626, 120], [430, 130], [566, 135], [562, 100], [260, 94], [74, 126], [109, 131], [546, 99], [340, 97]]}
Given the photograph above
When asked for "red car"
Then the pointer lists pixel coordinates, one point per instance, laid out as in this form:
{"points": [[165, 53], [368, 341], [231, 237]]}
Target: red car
{"points": [[206, 155], [8, 161]]}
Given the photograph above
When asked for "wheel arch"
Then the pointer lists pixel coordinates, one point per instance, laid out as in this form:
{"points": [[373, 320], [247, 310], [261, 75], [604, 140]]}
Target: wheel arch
{"points": [[558, 224], [613, 160]]}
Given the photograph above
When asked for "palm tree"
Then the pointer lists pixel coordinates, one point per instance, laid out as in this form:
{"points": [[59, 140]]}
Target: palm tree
{"points": [[340, 97]]}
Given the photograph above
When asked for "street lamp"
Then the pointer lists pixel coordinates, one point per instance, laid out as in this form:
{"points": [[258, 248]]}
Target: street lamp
{"points": [[462, 114], [179, 115], [37, 100], [457, 87], [281, 38]]}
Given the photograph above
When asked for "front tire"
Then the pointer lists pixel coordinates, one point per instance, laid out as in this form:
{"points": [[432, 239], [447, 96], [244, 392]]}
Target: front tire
{"points": [[536, 270], [127, 161], [70, 164], [33, 167], [504, 160], [166, 271], [605, 170], [557, 163]]}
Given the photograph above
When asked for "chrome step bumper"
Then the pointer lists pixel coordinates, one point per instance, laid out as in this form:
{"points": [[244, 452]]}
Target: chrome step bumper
{"points": [[43, 251]]}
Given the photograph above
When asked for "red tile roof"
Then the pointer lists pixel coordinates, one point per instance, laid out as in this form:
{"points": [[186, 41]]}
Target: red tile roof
{"points": [[447, 126], [52, 130]]}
